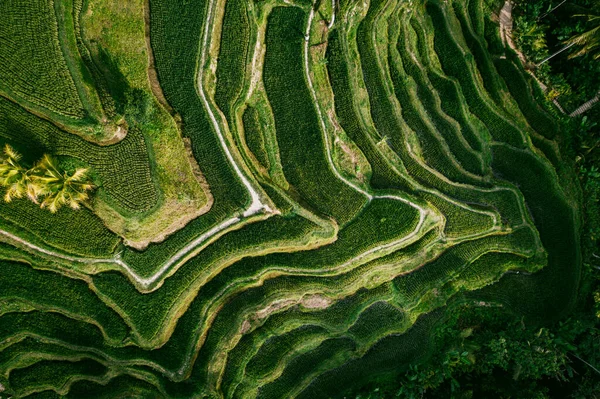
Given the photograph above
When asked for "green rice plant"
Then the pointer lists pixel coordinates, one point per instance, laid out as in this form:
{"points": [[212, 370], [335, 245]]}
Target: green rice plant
{"points": [[497, 263], [30, 349], [34, 69], [412, 287], [254, 136], [473, 131], [433, 106], [175, 29], [60, 294], [151, 312], [557, 224], [476, 16], [53, 326], [368, 327], [455, 106], [455, 62], [221, 328], [460, 221], [433, 147], [53, 374], [331, 352], [336, 317], [386, 357], [383, 221], [115, 166], [521, 92], [340, 288], [485, 66], [383, 175], [119, 386], [389, 126], [301, 146], [495, 45], [60, 232], [274, 349], [235, 37]]}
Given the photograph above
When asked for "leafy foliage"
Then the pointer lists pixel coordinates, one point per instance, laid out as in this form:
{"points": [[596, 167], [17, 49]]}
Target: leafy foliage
{"points": [[543, 28], [483, 352], [56, 187], [17, 179], [589, 40]]}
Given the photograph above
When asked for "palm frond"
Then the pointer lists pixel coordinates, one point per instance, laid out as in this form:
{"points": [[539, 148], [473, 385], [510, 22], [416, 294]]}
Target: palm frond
{"points": [[11, 153], [588, 41], [49, 166], [79, 175], [45, 182]]}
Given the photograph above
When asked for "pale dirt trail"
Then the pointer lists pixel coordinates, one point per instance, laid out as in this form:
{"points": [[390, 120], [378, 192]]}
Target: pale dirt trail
{"points": [[332, 15], [144, 282], [256, 205]]}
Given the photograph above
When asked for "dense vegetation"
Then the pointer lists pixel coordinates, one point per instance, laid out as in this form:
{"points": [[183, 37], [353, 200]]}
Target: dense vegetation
{"points": [[292, 199]]}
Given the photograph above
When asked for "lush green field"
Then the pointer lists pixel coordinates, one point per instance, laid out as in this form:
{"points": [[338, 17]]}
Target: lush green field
{"points": [[290, 195]]}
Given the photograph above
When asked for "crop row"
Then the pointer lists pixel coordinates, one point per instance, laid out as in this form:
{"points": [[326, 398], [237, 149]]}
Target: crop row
{"points": [[296, 304], [388, 124], [303, 153], [52, 373], [450, 131], [383, 176], [492, 84], [245, 300], [520, 90], [61, 294], [388, 356], [460, 64], [460, 221], [175, 29], [64, 231], [233, 52], [254, 136], [283, 382], [434, 148], [288, 330], [556, 222], [384, 220], [32, 64]]}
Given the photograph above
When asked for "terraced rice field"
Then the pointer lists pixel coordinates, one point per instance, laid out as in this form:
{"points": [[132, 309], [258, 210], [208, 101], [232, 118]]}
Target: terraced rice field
{"points": [[290, 194]]}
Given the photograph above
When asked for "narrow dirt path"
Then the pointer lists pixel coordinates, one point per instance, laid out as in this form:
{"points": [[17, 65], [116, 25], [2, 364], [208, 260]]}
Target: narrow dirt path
{"points": [[256, 205], [141, 281]]}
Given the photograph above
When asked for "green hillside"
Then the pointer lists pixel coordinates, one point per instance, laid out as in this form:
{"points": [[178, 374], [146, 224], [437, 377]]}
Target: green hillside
{"points": [[291, 196]]}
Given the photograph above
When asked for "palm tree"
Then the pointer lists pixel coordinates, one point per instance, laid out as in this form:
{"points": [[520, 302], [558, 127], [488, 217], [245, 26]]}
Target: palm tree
{"points": [[588, 41], [58, 187], [16, 177]]}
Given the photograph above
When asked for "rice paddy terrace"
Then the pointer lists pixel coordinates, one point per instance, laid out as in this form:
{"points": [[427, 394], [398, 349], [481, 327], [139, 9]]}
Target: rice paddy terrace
{"points": [[290, 193]]}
